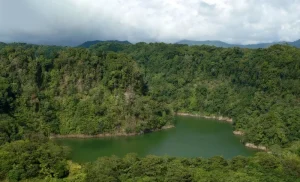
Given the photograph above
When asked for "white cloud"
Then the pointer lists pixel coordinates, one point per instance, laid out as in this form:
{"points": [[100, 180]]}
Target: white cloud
{"points": [[75, 21]]}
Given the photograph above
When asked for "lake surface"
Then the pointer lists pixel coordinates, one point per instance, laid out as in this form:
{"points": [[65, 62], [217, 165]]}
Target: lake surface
{"points": [[192, 137]]}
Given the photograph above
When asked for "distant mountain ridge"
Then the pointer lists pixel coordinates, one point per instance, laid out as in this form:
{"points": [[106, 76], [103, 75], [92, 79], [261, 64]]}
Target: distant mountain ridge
{"points": [[218, 43], [295, 43], [88, 44]]}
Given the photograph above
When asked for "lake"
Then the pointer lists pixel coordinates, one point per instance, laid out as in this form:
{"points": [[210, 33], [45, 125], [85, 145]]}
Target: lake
{"points": [[192, 137]]}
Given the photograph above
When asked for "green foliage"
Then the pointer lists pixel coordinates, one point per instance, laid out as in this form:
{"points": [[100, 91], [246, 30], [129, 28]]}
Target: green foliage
{"points": [[9, 129], [25, 159], [262, 167], [75, 91]]}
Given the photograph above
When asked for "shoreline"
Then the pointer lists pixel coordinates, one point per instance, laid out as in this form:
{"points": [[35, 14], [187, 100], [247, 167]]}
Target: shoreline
{"points": [[120, 134], [219, 118], [248, 144], [104, 135]]}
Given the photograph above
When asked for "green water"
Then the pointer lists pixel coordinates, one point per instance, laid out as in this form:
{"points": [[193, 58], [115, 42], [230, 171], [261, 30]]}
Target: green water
{"points": [[192, 137]]}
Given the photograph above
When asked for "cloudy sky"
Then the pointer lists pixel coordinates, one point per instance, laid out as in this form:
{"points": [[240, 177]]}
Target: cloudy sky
{"points": [[70, 22]]}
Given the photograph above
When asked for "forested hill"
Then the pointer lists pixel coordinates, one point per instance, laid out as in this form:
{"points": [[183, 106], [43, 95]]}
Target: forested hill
{"points": [[118, 88], [88, 44], [2, 44], [216, 43], [226, 45], [74, 91], [258, 88]]}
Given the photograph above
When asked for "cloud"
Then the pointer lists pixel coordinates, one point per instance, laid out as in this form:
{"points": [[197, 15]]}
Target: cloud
{"points": [[70, 22]]}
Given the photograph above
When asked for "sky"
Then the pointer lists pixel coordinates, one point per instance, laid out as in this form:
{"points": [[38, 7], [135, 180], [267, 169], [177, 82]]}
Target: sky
{"points": [[71, 22]]}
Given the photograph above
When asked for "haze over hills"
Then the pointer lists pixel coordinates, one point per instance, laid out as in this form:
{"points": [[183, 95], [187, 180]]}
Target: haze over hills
{"points": [[218, 43], [295, 43]]}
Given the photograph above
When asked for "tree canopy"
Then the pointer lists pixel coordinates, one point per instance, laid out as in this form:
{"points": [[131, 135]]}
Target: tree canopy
{"points": [[114, 87]]}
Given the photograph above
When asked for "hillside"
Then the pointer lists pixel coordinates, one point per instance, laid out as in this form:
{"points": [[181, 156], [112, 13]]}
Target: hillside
{"points": [[74, 91]]}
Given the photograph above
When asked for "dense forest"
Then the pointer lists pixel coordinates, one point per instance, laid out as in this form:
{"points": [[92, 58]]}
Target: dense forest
{"points": [[122, 88], [75, 91], [259, 89]]}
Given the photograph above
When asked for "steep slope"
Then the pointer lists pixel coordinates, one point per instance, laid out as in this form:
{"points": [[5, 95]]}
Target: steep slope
{"points": [[74, 91]]}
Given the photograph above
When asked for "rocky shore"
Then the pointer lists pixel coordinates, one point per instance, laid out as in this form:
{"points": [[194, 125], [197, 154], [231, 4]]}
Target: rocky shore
{"points": [[237, 132], [253, 146], [220, 118]]}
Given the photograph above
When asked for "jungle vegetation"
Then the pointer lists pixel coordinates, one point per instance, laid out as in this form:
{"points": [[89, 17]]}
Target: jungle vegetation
{"points": [[113, 87]]}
